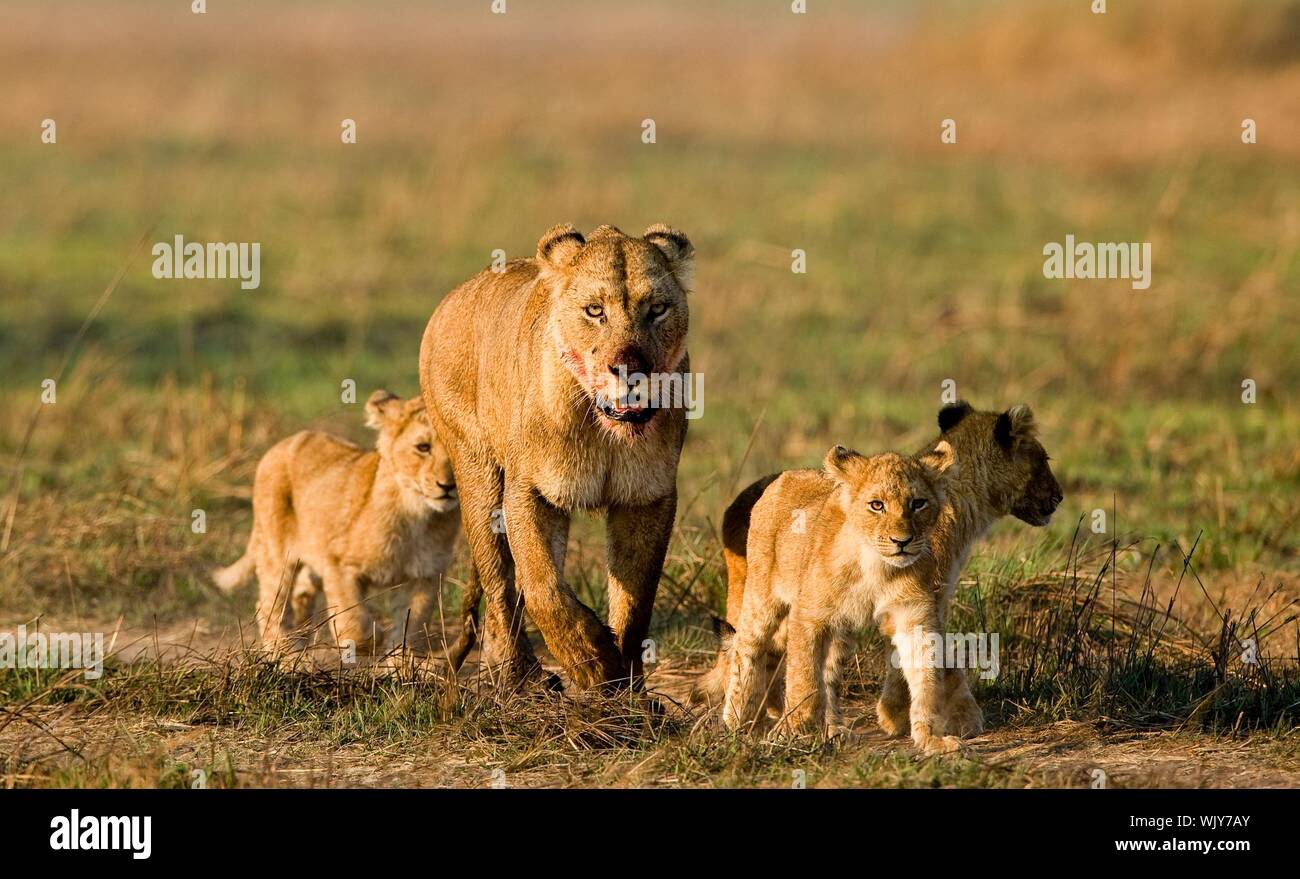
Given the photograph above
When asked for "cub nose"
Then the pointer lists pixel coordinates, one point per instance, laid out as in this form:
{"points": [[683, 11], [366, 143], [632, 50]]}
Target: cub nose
{"points": [[901, 542], [1056, 500], [447, 486]]}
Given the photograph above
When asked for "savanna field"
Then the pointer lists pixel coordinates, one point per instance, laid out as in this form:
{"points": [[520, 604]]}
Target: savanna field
{"points": [[1122, 648]]}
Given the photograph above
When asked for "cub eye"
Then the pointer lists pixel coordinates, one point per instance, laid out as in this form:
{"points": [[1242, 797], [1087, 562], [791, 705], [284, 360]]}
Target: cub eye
{"points": [[877, 506], [659, 309], [424, 448], [919, 504], [594, 310]]}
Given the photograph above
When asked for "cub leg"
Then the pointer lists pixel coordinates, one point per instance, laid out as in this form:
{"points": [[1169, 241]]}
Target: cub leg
{"points": [[806, 653], [275, 624], [305, 589], [583, 644], [637, 541], [411, 620], [910, 624], [832, 679], [895, 702], [347, 616], [957, 703], [747, 673], [964, 715]]}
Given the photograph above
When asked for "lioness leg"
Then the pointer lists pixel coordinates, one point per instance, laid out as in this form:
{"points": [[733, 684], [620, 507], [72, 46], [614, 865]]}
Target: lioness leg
{"points": [[505, 642], [909, 624], [636, 543], [538, 533]]}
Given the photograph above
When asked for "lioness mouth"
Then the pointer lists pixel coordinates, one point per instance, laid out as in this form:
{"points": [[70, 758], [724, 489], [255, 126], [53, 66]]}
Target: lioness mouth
{"points": [[627, 414]]}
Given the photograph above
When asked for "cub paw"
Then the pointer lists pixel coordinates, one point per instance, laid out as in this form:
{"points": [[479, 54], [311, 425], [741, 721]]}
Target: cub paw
{"points": [[965, 719], [933, 744], [892, 720]]}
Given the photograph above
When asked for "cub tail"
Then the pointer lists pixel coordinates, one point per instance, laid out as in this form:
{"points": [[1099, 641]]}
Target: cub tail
{"points": [[231, 577], [711, 687]]}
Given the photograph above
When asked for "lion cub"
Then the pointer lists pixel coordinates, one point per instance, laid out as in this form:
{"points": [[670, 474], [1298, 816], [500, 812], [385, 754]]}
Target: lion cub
{"points": [[328, 514], [832, 550]]}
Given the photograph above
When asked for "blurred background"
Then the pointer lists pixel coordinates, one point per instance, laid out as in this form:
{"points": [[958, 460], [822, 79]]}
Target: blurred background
{"points": [[774, 131]]}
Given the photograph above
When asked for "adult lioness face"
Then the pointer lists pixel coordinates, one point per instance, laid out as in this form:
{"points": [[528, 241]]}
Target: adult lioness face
{"points": [[619, 318]]}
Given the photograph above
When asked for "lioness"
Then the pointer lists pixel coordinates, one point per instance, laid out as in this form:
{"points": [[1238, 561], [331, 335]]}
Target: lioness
{"points": [[526, 374], [832, 550], [1004, 471], [330, 514]]}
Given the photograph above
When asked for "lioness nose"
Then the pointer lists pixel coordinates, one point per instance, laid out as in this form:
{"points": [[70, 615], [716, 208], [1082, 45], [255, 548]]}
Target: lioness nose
{"points": [[901, 542], [629, 360]]}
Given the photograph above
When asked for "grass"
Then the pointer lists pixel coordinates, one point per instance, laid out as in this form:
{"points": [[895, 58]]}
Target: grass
{"points": [[924, 264]]}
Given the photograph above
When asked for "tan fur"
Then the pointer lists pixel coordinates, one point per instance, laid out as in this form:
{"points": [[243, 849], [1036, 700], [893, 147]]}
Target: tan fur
{"points": [[829, 551], [514, 368], [329, 515], [1004, 471]]}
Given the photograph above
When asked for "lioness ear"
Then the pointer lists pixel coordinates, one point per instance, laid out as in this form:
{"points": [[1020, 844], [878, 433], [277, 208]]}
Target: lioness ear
{"points": [[951, 415], [605, 230], [837, 463], [676, 247], [559, 247], [1014, 425], [941, 459], [382, 409]]}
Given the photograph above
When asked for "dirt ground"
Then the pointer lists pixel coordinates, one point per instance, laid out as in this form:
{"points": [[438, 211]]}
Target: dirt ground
{"points": [[110, 745]]}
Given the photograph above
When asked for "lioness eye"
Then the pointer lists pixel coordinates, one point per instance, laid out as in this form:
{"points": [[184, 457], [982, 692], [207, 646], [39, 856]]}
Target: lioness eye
{"points": [[878, 506], [594, 310], [659, 309], [918, 504], [424, 448]]}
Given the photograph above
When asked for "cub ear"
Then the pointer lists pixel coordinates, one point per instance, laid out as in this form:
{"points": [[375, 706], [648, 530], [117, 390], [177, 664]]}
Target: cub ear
{"points": [[383, 409], [676, 247], [1013, 426], [560, 246], [838, 461], [941, 459], [951, 415]]}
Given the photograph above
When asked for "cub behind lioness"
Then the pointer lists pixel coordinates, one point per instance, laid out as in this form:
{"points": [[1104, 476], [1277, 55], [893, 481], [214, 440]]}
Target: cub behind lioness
{"points": [[830, 551], [328, 514]]}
